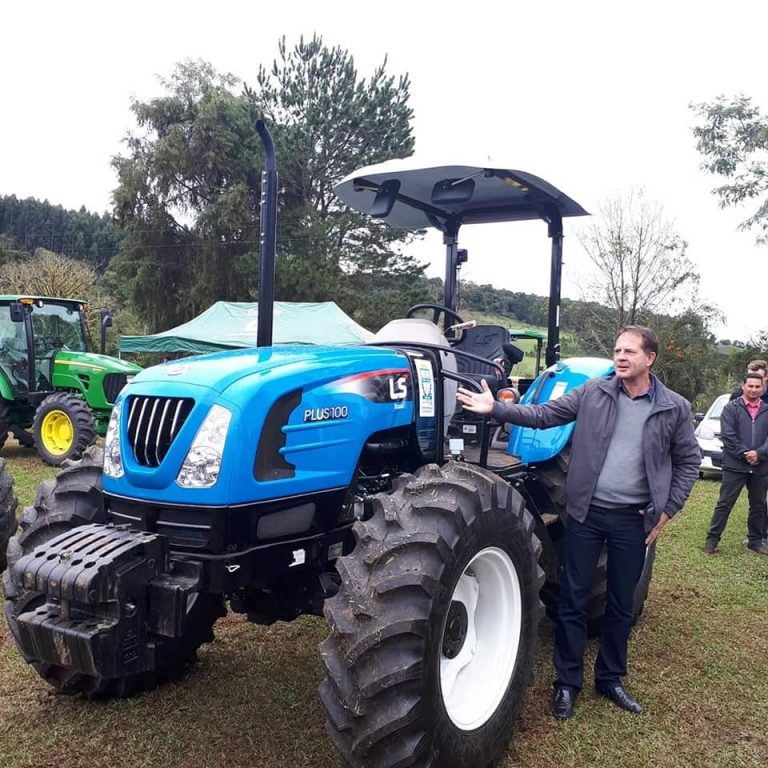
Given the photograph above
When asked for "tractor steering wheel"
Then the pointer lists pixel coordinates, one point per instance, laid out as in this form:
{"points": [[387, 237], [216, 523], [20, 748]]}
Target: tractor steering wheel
{"points": [[437, 310]]}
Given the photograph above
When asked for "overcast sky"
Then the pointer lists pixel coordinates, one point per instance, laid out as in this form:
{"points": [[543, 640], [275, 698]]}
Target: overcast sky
{"points": [[592, 96]]}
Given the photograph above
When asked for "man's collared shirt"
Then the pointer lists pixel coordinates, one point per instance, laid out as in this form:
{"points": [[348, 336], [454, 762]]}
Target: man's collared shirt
{"points": [[650, 393], [752, 408]]}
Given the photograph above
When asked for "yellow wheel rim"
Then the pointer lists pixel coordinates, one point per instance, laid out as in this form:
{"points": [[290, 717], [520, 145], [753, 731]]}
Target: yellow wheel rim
{"points": [[57, 432]]}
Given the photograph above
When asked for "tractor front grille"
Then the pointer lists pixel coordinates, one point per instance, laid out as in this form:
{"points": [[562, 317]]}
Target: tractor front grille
{"points": [[153, 423], [113, 383]]}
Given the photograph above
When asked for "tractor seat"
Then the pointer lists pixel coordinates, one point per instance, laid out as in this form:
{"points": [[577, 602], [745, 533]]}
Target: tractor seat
{"points": [[419, 330], [491, 342]]}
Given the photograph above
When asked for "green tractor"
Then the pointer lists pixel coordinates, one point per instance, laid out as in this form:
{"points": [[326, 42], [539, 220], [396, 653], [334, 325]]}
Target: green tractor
{"points": [[50, 381]]}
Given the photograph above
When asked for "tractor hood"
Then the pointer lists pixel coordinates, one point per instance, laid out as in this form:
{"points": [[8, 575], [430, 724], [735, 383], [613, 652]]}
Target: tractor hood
{"points": [[95, 363], [98, 377], [219, 371], [298, 418]]}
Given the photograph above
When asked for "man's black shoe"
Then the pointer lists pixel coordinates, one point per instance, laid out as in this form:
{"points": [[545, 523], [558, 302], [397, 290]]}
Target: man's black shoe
{"points": [[562, 703], [621, 698]]}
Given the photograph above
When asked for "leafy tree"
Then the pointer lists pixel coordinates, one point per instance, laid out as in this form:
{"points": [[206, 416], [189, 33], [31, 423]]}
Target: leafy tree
{"points": [[187, 198], [189, 187], [734, 365], [329, 123], [688, 361], [733, 139], [641, 266], [8, 250]]}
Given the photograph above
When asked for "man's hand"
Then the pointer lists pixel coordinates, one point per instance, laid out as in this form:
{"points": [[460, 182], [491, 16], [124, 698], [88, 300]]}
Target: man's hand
{"points": [[751, 457], [478, 402], [656, 530]]}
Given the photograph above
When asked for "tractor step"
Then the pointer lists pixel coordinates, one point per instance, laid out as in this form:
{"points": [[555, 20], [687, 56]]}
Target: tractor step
{"points": [[498, 460]]}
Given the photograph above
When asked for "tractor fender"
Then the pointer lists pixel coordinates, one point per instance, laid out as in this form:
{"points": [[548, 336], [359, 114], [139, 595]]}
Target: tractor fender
{"points": [[536, 445]]}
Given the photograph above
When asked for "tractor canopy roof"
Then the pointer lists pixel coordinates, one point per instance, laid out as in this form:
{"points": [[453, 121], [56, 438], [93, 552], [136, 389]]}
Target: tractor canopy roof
{"points": [[527, 333], [411, 197]]}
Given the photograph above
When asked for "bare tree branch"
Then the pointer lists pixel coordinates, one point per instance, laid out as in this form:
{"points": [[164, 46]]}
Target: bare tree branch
{"points": [[641, 267]]}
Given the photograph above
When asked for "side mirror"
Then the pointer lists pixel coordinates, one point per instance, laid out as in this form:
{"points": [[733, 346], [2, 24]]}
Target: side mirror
{"points": [[385, 199], [17, 312], [698, 418]]}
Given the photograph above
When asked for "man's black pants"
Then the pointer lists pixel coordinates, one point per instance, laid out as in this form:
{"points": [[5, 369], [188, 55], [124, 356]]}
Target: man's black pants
{"points": [[622, 531], [730, 488]]}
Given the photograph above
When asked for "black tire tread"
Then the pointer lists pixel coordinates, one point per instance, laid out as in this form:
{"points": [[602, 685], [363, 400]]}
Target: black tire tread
{"points": [[5, 420], [8, 506], [380, 618]]}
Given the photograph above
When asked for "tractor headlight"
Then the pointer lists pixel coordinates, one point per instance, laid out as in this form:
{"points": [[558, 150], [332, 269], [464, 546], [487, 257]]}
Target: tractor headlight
{"points": [[113, 459], [201, 467]]}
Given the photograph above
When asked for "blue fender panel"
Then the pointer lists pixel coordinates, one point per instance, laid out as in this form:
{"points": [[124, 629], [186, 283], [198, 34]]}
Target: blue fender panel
{"points": [[537, 445]]}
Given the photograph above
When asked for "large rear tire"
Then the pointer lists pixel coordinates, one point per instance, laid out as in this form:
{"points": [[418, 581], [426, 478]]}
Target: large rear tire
{"points": [[72, 499], [8, 505], [435, 625], [63, 428]]}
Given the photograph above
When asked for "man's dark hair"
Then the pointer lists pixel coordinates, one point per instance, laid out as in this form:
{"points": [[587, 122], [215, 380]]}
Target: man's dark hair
{"points": [[753, 375], [650, 341]]}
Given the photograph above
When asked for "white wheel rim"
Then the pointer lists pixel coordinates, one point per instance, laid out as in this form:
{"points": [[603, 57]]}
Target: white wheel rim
{"points": [[482, 640]]}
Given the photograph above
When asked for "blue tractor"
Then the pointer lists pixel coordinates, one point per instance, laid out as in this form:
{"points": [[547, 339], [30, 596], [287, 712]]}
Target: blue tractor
{"points": [[345, 482]]}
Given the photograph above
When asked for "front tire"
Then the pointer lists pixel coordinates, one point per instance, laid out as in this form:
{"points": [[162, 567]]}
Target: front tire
{"points": [[5, 420], [63, 428], [8, 505], [435, 625]]}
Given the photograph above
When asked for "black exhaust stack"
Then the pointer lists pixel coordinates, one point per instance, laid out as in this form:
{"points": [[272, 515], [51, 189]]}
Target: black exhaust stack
{"points": [[267, 237]]}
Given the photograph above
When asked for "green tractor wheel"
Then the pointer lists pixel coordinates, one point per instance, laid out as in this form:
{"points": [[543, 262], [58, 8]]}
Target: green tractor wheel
{"points": [[63, 428]]}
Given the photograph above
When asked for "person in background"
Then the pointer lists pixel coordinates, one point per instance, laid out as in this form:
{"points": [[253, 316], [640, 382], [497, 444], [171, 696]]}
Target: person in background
{"points": [[634, 460], [744, 433], [758, 366], [761, 367]]}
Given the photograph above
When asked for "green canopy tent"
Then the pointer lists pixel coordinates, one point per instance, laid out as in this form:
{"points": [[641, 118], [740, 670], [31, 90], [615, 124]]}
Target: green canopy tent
{"points": [[233, 325]]}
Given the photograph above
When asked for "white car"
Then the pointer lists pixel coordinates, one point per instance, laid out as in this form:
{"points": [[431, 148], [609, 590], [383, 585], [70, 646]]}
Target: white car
{"points": [[708, 436]]}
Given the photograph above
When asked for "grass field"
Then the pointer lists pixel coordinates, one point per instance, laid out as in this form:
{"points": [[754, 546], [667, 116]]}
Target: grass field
{"points": [[698, 663]]}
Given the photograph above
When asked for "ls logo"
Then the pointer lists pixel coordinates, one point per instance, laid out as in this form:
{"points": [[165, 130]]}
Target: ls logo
{"points": [[398, 388]]}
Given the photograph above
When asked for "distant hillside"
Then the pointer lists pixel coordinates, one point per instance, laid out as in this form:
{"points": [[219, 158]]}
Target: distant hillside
{"points": [[29, 224], [526, 310]]}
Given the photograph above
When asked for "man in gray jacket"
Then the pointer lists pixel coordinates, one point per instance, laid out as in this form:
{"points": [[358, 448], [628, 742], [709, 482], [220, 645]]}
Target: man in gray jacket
{"points": [[744, 432], [634, 460]]}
